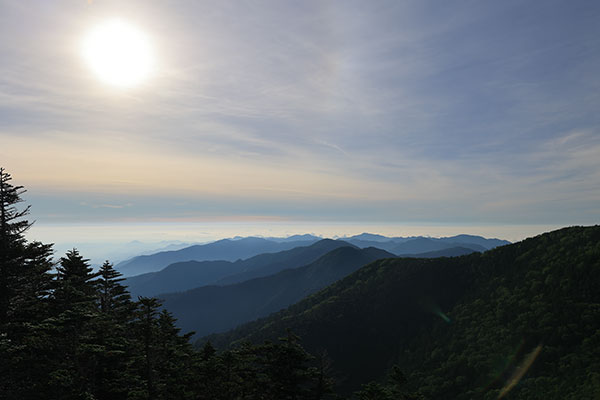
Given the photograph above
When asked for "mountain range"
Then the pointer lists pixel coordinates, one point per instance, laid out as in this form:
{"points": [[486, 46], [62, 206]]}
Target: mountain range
{"points": [[414, 245], [191, 274], [210, 309], [225, 249], [213, 296], [244, 248], [522, 318]]}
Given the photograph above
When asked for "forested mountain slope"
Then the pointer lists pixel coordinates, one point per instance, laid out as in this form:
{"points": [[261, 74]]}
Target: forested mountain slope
{"points": [[449, 252], [465, 327]]}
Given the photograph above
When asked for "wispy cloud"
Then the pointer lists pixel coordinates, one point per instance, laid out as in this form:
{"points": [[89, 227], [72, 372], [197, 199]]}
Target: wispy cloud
{"points": [[340, 110]]}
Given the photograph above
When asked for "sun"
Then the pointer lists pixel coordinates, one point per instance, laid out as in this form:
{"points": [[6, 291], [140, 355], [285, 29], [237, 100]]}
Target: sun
{"points": [[118, 53]]}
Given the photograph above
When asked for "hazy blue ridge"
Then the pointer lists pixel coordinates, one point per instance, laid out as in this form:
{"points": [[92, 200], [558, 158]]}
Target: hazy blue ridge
{"points": [[191, 274], [296, 238], [212, 309], [371, 237], [246, 247], [423, 245], [420, 244], [271, 263], [226, 249], [472, 239], [180, 276], [187, 275]]}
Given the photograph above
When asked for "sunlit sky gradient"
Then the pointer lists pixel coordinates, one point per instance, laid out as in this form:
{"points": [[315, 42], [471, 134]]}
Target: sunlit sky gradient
{"points": [[434, 114]]}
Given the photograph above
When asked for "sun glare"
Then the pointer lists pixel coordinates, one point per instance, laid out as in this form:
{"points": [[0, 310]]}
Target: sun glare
{"points": [[118, 53]]}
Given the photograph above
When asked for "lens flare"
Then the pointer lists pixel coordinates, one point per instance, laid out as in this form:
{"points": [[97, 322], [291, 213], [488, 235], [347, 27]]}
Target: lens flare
{"points": [[520, 371], [443, 316]]}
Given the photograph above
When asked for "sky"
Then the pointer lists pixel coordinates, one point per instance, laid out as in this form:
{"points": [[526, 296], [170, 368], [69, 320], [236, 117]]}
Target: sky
{"points": [[326, 117]]}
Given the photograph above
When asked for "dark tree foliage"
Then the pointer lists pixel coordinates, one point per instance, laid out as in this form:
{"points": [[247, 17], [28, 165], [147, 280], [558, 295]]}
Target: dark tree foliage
{"points": [[24, 267], [162, 359], [73, 324], [114, 300], [270, 371], [395, 388], [25, 284], [112, 329], [76, 284]]}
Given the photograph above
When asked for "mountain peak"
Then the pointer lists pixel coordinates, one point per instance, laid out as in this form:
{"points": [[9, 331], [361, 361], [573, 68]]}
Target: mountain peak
{"points": [[369, 237]]}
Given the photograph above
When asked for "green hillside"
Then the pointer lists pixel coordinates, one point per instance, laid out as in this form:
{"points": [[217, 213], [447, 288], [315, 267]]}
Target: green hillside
{"points": [[464, 327]]}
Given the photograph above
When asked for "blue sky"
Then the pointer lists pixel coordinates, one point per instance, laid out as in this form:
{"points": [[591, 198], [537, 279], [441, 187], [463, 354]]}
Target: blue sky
{"points": [[431, 113]]}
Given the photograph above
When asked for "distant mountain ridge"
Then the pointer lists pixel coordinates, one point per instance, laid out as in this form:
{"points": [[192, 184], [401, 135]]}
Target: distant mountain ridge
{"points": [[211, 309], [296, 238], [372, 237], [422, 245], [402, 246], [271, 263], [191, 274], [187, 275], [246, 247], [225, 249]]}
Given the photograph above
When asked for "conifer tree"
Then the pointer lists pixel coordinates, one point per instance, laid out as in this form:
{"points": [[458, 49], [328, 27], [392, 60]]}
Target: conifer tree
{"points": [[76, 284], [280, 370], [114, 301], [372, 391], [208, 351], [112, 327], [164, 360], [290, 371], [207, 372], [12, 243], [75, 312], [25, 283], [145, 362], [176, 358]]}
